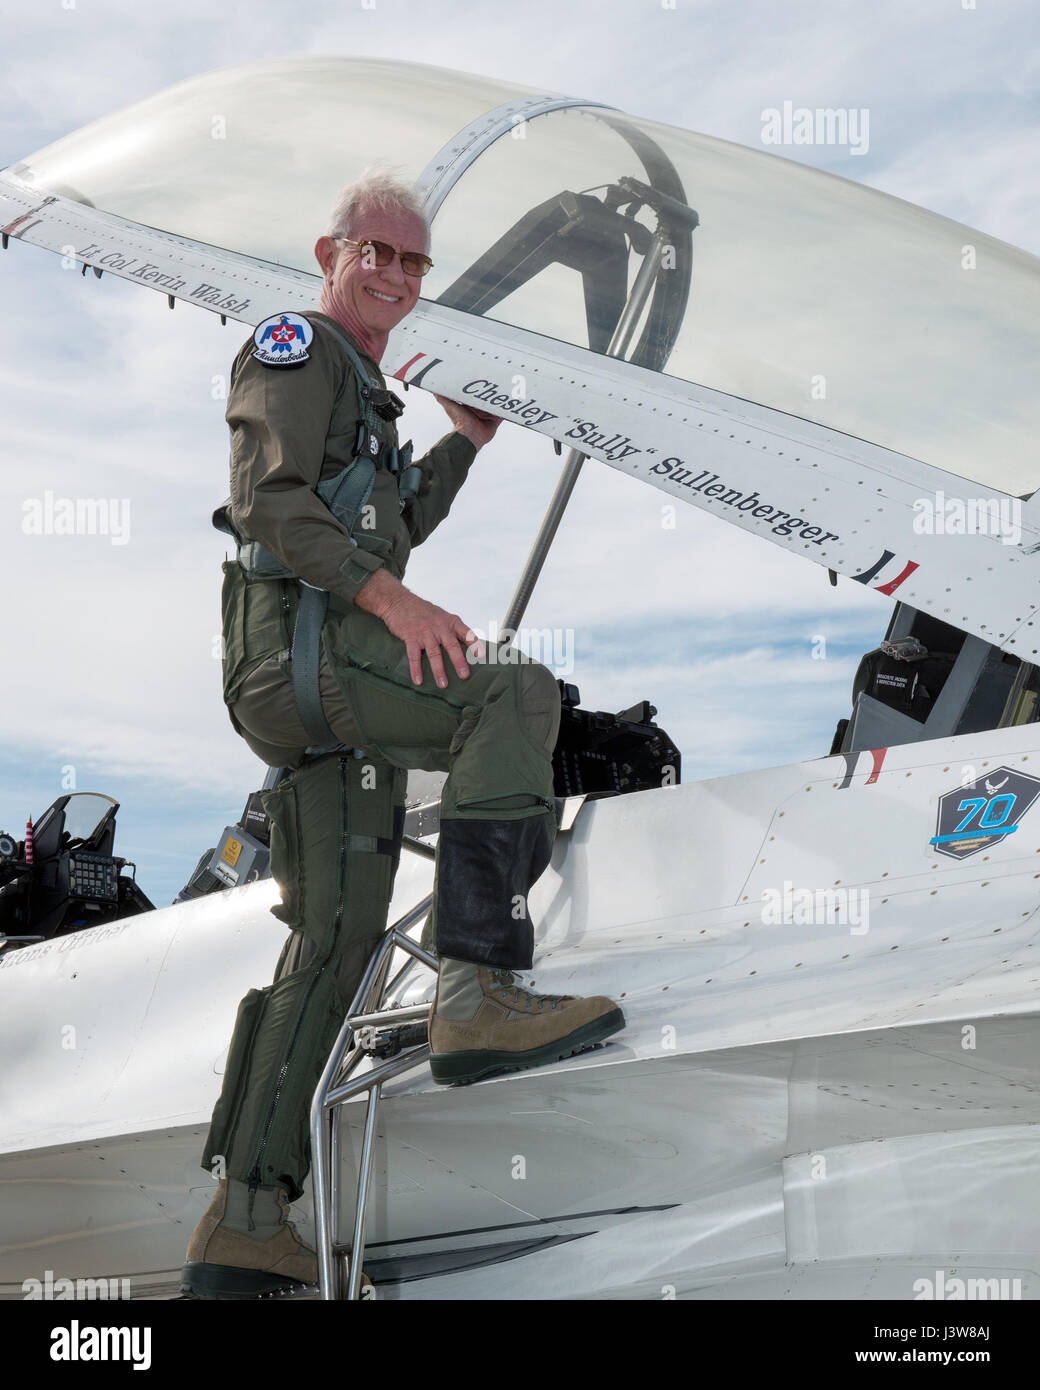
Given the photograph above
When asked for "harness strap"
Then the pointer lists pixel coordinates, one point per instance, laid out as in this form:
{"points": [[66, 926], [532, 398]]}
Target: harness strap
{"points": [[347, 495], [347, 492], [363, 380], [306, 650]]}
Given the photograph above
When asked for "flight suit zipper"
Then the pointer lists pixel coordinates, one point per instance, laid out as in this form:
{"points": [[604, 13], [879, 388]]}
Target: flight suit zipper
{"points": [[256, 1173]]}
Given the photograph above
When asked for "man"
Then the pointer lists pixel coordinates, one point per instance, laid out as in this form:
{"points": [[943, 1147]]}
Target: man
{"points": [[335, 670]]}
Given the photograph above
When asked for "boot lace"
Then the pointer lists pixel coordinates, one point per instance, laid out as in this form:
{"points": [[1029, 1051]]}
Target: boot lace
{"points": [[505, 982]]}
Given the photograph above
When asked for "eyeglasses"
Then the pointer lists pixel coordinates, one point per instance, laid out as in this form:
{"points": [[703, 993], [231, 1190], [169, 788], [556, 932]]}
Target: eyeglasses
{"points": [[378, 253]]}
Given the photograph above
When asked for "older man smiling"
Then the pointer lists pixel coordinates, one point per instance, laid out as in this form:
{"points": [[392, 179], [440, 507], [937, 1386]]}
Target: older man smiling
{"points": [[338, 673]]}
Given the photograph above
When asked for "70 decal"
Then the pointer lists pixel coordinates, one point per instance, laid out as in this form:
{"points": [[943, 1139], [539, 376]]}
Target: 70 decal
{"points": [[990, 819], [972, 817]]}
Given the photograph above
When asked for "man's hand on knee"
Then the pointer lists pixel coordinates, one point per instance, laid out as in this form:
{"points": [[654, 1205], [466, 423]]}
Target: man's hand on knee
{"points": [[421, 626]]}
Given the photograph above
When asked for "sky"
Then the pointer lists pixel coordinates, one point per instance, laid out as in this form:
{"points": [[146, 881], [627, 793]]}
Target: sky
{"points": [[110, 669]]}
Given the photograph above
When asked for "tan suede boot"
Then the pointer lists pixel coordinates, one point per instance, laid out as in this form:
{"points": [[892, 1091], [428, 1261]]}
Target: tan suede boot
{"points": [[483, 1022], [234, 1255]]}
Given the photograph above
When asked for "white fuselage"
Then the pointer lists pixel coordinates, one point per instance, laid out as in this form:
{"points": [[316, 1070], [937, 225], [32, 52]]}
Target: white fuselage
{"points": [[815, 1095]]}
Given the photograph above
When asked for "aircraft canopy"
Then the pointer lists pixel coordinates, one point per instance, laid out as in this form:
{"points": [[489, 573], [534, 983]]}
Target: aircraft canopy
{"points": [[801, 291]]}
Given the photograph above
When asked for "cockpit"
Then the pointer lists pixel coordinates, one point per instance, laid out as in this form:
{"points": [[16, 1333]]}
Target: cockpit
{"points": [[63, 876], [930, 680]]}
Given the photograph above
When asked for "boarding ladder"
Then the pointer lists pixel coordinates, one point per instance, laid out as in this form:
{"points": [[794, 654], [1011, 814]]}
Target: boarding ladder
{"points": [[396, 1040]]}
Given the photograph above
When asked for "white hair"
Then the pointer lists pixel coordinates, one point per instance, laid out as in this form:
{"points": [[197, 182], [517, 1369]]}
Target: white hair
{"points": [[377, 190]]}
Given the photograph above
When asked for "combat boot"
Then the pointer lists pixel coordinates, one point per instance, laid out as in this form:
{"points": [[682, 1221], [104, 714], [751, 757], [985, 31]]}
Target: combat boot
{"points": [[483, 1023], [233, 1255]]}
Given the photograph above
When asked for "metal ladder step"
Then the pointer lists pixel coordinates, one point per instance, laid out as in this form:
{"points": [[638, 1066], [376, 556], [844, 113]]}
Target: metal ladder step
{"points": [[395, 1041]]}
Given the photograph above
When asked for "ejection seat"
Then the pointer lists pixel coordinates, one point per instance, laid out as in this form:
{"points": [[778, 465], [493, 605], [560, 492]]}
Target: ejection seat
{"points": [[930, 680]]}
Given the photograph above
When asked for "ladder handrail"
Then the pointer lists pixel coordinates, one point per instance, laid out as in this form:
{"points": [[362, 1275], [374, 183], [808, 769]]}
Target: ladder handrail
{"points": [[334, 1089]]}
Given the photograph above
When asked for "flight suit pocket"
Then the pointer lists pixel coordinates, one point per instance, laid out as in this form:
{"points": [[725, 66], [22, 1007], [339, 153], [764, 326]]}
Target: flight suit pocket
{"points": [[286, 858], [255, 614]]}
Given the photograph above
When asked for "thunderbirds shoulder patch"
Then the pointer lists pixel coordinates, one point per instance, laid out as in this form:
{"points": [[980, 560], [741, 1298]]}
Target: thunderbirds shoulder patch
{"points": [[283, 340]]}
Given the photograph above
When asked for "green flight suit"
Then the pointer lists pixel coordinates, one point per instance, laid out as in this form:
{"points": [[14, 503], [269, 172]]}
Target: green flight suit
{"points": [[337, 818]]}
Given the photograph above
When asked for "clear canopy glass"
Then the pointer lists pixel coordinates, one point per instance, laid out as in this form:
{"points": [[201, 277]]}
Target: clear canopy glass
{"points": [[252, 158], [811, 294], [801, 291]]}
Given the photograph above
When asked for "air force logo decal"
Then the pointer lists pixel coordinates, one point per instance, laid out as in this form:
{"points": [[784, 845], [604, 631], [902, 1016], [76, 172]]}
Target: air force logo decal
{"points": [[283, 340], [983, 812]]}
